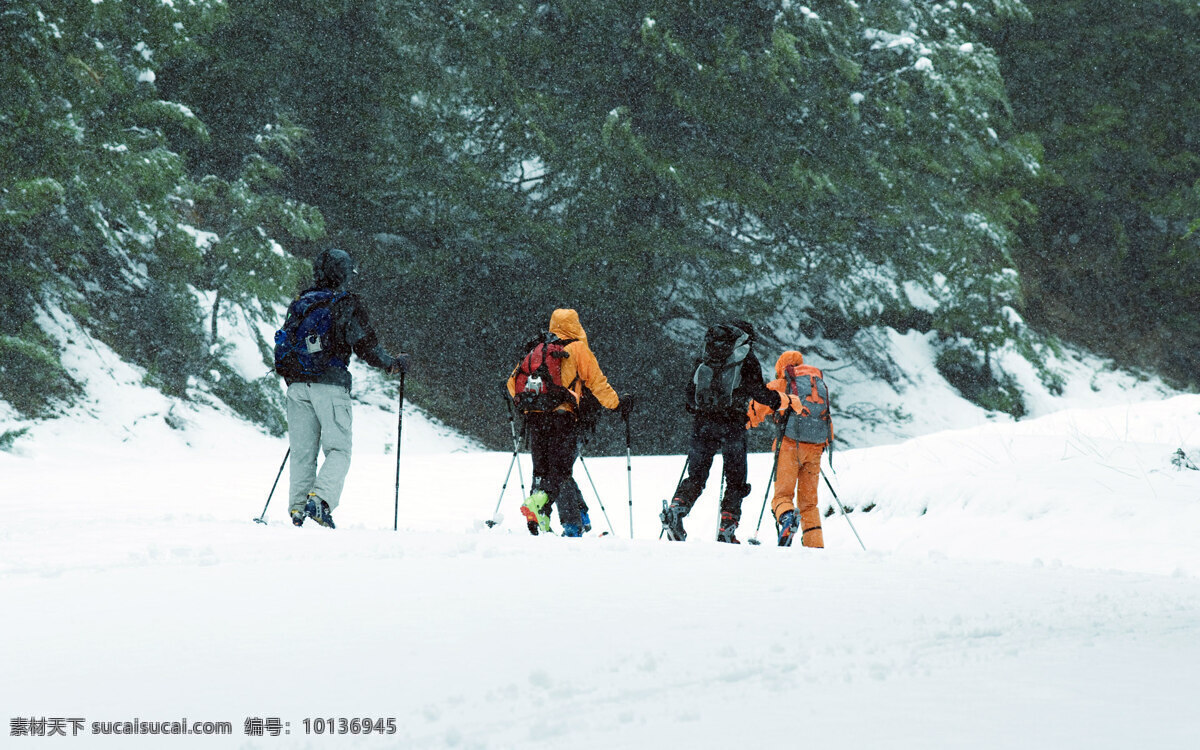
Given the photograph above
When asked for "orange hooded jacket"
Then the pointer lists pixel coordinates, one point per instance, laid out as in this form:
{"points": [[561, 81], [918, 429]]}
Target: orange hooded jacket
{"points": [[580, 369], [757, 412], [798, 465]]}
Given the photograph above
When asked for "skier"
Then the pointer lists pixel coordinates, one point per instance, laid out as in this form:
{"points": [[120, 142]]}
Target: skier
{"points": [[807, 429], [548, 387], [318, 395], [724, 381]]}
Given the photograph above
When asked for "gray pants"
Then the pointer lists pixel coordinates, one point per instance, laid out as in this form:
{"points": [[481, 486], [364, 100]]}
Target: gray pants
{"points": [[319, 417]]}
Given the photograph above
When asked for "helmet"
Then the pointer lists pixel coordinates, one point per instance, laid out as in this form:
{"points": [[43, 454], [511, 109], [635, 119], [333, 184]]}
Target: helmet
{"points": [[333, 268]]}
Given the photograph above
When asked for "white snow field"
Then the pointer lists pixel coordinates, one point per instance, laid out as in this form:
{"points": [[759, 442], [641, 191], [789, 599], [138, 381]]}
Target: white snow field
{"points": [[1024, 585]]}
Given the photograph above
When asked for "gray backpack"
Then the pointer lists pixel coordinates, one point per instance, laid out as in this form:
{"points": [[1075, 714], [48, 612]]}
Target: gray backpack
{"points": [[720, 370], [816, 425]]}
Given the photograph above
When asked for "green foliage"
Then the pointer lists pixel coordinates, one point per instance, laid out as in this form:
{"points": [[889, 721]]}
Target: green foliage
{"points": [[86, 171], [31, 378], [654, 164], [322, 64], [9, 437], [978, 383], [1112, 92], [693, 163], [642, 162], [97, 201], [157, 327], [244, 264], [30, 199], [258, 401], [977, 308]]}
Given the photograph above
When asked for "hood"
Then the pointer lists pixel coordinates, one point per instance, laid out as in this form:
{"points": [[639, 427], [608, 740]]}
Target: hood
{"points": [[564, 323], [332, 269], [786, 360]]}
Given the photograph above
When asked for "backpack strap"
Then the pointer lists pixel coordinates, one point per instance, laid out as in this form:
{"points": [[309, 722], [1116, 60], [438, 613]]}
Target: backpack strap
{"points": [[571, 386], [793, 388], [329, 301]]}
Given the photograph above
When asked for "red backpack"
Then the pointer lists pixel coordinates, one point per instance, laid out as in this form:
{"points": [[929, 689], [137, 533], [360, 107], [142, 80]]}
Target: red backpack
{"points": [[814, 425], [538, 378]]}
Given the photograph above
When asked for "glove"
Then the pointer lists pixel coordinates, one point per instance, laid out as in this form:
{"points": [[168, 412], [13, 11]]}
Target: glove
{"points": [[399, 366], [626, 405]]}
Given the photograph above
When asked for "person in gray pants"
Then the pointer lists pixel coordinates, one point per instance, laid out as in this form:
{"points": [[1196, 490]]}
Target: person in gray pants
{"points": [[318, 400]]}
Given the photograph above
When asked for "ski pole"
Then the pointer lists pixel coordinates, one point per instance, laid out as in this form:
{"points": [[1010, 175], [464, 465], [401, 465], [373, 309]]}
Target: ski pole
{"points": [[597, 494], [399, 428], [512, 428], [771, 481], [843, 510], [492, 521], [720, 498], [629, 472], [273, 486]]}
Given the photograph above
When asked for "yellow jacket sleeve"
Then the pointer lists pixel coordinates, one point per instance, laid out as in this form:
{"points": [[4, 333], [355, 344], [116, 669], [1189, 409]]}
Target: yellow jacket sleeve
{"points": [[758, 412], [587, 369], [512, 383]]}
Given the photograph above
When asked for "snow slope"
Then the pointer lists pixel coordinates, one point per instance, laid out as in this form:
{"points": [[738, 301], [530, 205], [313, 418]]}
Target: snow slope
{"points": [[892, 383], [1027, 585]]}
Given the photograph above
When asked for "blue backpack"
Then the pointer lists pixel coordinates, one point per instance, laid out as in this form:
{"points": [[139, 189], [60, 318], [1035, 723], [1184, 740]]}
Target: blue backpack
{"points": [[304, 346]]}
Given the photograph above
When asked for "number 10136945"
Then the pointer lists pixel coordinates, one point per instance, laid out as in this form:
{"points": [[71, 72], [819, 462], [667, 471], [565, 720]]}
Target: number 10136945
{"points": [[349, 726]]}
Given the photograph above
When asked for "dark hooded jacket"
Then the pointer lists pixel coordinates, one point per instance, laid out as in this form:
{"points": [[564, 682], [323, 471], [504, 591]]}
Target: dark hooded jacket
{"points": [[352, 330]]}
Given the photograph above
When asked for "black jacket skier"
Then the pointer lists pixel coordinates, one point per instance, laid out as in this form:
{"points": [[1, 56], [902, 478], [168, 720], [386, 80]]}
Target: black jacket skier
{"points": [[721, 430], [352, 331]]}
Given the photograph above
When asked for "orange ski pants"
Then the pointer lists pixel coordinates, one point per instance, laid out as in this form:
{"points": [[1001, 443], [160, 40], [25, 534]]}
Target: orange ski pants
{"points": [[797, 475]]}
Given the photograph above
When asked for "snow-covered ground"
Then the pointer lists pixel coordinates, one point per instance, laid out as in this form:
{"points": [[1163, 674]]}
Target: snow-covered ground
{"points": [[1024, 585]]}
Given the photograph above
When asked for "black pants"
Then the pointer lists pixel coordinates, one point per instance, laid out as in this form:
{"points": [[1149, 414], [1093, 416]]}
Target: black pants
{"points": [[552, 442], [710, 437]]}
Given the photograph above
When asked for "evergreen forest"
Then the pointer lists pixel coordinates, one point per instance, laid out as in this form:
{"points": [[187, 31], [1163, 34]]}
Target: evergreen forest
{"points": [[1010, 175]]}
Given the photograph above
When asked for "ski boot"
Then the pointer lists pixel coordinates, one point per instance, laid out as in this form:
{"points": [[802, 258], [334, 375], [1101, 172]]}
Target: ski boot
{"points": [[298, 516], [672, 520], [788, 524], [729, 524], [319, 513], [535, 511], [585, 521], [570, 529]]}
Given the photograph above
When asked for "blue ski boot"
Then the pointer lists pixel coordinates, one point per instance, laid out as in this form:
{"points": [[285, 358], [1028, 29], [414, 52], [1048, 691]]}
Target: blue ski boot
{"points": [[320, 513], [788, 524]]}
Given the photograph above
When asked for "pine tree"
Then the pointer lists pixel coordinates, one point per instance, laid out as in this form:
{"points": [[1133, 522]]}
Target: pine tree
{"points": [[1110, 89], [96, 200], [699, 160]]}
